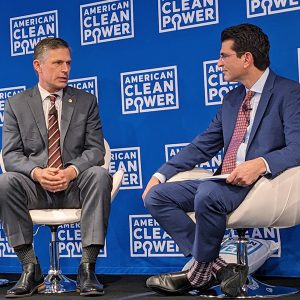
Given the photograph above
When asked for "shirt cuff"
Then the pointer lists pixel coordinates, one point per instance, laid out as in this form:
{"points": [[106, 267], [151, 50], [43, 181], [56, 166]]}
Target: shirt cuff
{"points": [[268, 171], [31, 173], [75, 168], [160, 177]]}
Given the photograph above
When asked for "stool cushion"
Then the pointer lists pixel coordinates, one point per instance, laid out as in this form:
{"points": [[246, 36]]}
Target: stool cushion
{"points": [[270, 203], [55, 216]]}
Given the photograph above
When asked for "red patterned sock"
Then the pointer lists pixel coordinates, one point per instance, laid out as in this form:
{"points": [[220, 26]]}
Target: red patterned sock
{"points": [[218, 264], [200, 273]]}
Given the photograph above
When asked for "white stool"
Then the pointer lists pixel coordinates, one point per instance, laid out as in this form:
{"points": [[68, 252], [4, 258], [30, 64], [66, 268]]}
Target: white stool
{"points": [[270, 203]]}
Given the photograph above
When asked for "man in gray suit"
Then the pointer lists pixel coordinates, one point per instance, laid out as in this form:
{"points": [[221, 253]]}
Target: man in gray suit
{"points": [[64, 173]]}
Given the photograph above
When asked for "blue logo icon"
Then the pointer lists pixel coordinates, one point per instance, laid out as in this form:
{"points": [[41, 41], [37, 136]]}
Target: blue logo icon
{"points": [[149, 90], [27, 31], [178, 14], [106, 21]]}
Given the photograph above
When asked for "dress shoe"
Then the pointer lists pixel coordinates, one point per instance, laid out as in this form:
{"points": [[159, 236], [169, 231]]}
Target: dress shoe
{"points": [[87, 282], [175, 283], [30, 282], [232, 278]]}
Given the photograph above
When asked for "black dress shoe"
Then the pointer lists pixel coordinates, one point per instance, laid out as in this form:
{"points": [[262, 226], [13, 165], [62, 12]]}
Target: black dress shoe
{"points": [[170, 284], [87, 282], [30, 282], [175, 283], [232, 278]]}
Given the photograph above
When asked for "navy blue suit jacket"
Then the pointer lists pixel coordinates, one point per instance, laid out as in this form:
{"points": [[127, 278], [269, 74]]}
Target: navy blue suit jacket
{"points": [[275, 133]]}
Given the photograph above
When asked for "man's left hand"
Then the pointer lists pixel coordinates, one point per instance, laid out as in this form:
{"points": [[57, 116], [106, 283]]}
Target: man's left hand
{"points": [[53, 179], [66, 176], [247, 172]]}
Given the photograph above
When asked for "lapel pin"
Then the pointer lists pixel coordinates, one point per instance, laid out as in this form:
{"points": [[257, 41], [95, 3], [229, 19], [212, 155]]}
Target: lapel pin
{"points": [[70, 100]]}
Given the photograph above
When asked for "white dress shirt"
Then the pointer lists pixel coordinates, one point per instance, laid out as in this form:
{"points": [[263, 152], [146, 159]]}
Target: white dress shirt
{"points": [[258, 89], [47, 103]]}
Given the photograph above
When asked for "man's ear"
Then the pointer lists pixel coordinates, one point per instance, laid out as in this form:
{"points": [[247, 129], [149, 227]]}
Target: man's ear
{"points": [[37, 65], [248, 58]]}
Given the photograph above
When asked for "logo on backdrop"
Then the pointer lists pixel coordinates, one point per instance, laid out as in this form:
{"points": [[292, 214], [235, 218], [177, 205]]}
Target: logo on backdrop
{"points": [[148, 239], [258, 8], [5, 249], [149, 90], [6, 93], [260, 233], [215, 86], [69, 241], [212, 165], [128, 160], [183, 14], [27, 31], [106, 21], [88, 84]]}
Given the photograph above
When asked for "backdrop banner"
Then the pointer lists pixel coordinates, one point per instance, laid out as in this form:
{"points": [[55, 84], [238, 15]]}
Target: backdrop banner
{"points": [[153, 67]]}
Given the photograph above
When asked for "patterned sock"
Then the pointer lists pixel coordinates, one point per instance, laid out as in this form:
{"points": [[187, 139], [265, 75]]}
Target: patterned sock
{"points": [[90, 253], [25, 254], [218, 264], [199, 273]]}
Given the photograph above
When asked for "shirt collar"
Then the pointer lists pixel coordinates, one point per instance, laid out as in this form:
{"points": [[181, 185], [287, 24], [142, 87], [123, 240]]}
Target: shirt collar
{"points": [[44, 93], [258, 86]]}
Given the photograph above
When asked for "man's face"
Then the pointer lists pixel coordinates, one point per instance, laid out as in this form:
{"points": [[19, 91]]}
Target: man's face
{"points": [[233, 67], [53, 69]]}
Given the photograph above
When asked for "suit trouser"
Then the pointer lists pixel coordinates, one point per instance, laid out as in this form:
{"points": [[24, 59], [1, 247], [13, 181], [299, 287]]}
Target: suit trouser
{"points": [[212, 201], [90, 191]]}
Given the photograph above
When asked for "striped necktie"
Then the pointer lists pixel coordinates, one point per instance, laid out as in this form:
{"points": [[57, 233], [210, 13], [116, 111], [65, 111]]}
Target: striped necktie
{"points": [[54, 153], [242, 122]]}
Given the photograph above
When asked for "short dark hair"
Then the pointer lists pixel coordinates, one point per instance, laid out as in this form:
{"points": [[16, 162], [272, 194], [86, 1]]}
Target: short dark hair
{"points": [[249, 38], [48, 43]]}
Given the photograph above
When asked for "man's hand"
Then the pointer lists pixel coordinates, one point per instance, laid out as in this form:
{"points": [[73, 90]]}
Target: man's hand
{"points": [[53, 179], [152, 182], [247, 172]]}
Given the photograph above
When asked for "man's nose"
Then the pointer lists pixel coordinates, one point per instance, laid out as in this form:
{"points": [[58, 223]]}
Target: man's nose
{"points": [[220, 63], [65, 67]]}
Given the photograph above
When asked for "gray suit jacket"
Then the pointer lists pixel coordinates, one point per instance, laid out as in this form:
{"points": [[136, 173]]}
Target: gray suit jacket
{"points": [[24, 135]]}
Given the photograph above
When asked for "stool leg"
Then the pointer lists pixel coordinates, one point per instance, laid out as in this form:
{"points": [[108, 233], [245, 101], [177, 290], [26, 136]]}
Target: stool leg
{"points": [[253, 287], [241, 247], [55, 281]]}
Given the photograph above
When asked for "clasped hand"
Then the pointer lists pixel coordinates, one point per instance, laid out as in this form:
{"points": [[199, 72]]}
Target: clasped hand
{"points": [[53, 179]]}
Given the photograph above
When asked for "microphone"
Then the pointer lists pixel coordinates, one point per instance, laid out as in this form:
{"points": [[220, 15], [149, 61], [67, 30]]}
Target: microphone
{"points": [[53, 112], [246, 108]]}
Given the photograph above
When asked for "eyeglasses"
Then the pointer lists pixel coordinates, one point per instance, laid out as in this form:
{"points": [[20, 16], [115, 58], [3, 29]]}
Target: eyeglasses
{"points": [[224, 56]]}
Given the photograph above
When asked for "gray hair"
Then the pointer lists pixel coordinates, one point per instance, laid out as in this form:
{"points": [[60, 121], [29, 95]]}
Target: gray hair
{"points": [[46, 44]]}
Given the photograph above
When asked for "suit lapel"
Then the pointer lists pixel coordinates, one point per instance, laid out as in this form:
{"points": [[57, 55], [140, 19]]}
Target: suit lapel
{"points": [[35, 104], [262, 106], [68, 104]]}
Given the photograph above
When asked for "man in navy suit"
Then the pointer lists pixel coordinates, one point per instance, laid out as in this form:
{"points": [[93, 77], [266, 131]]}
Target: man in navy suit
{"points": [[270, 145]]}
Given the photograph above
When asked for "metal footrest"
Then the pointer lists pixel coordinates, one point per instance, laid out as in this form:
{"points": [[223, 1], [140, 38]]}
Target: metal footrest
{"points": [[253, 289], [58, 283], [4, 281]]}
